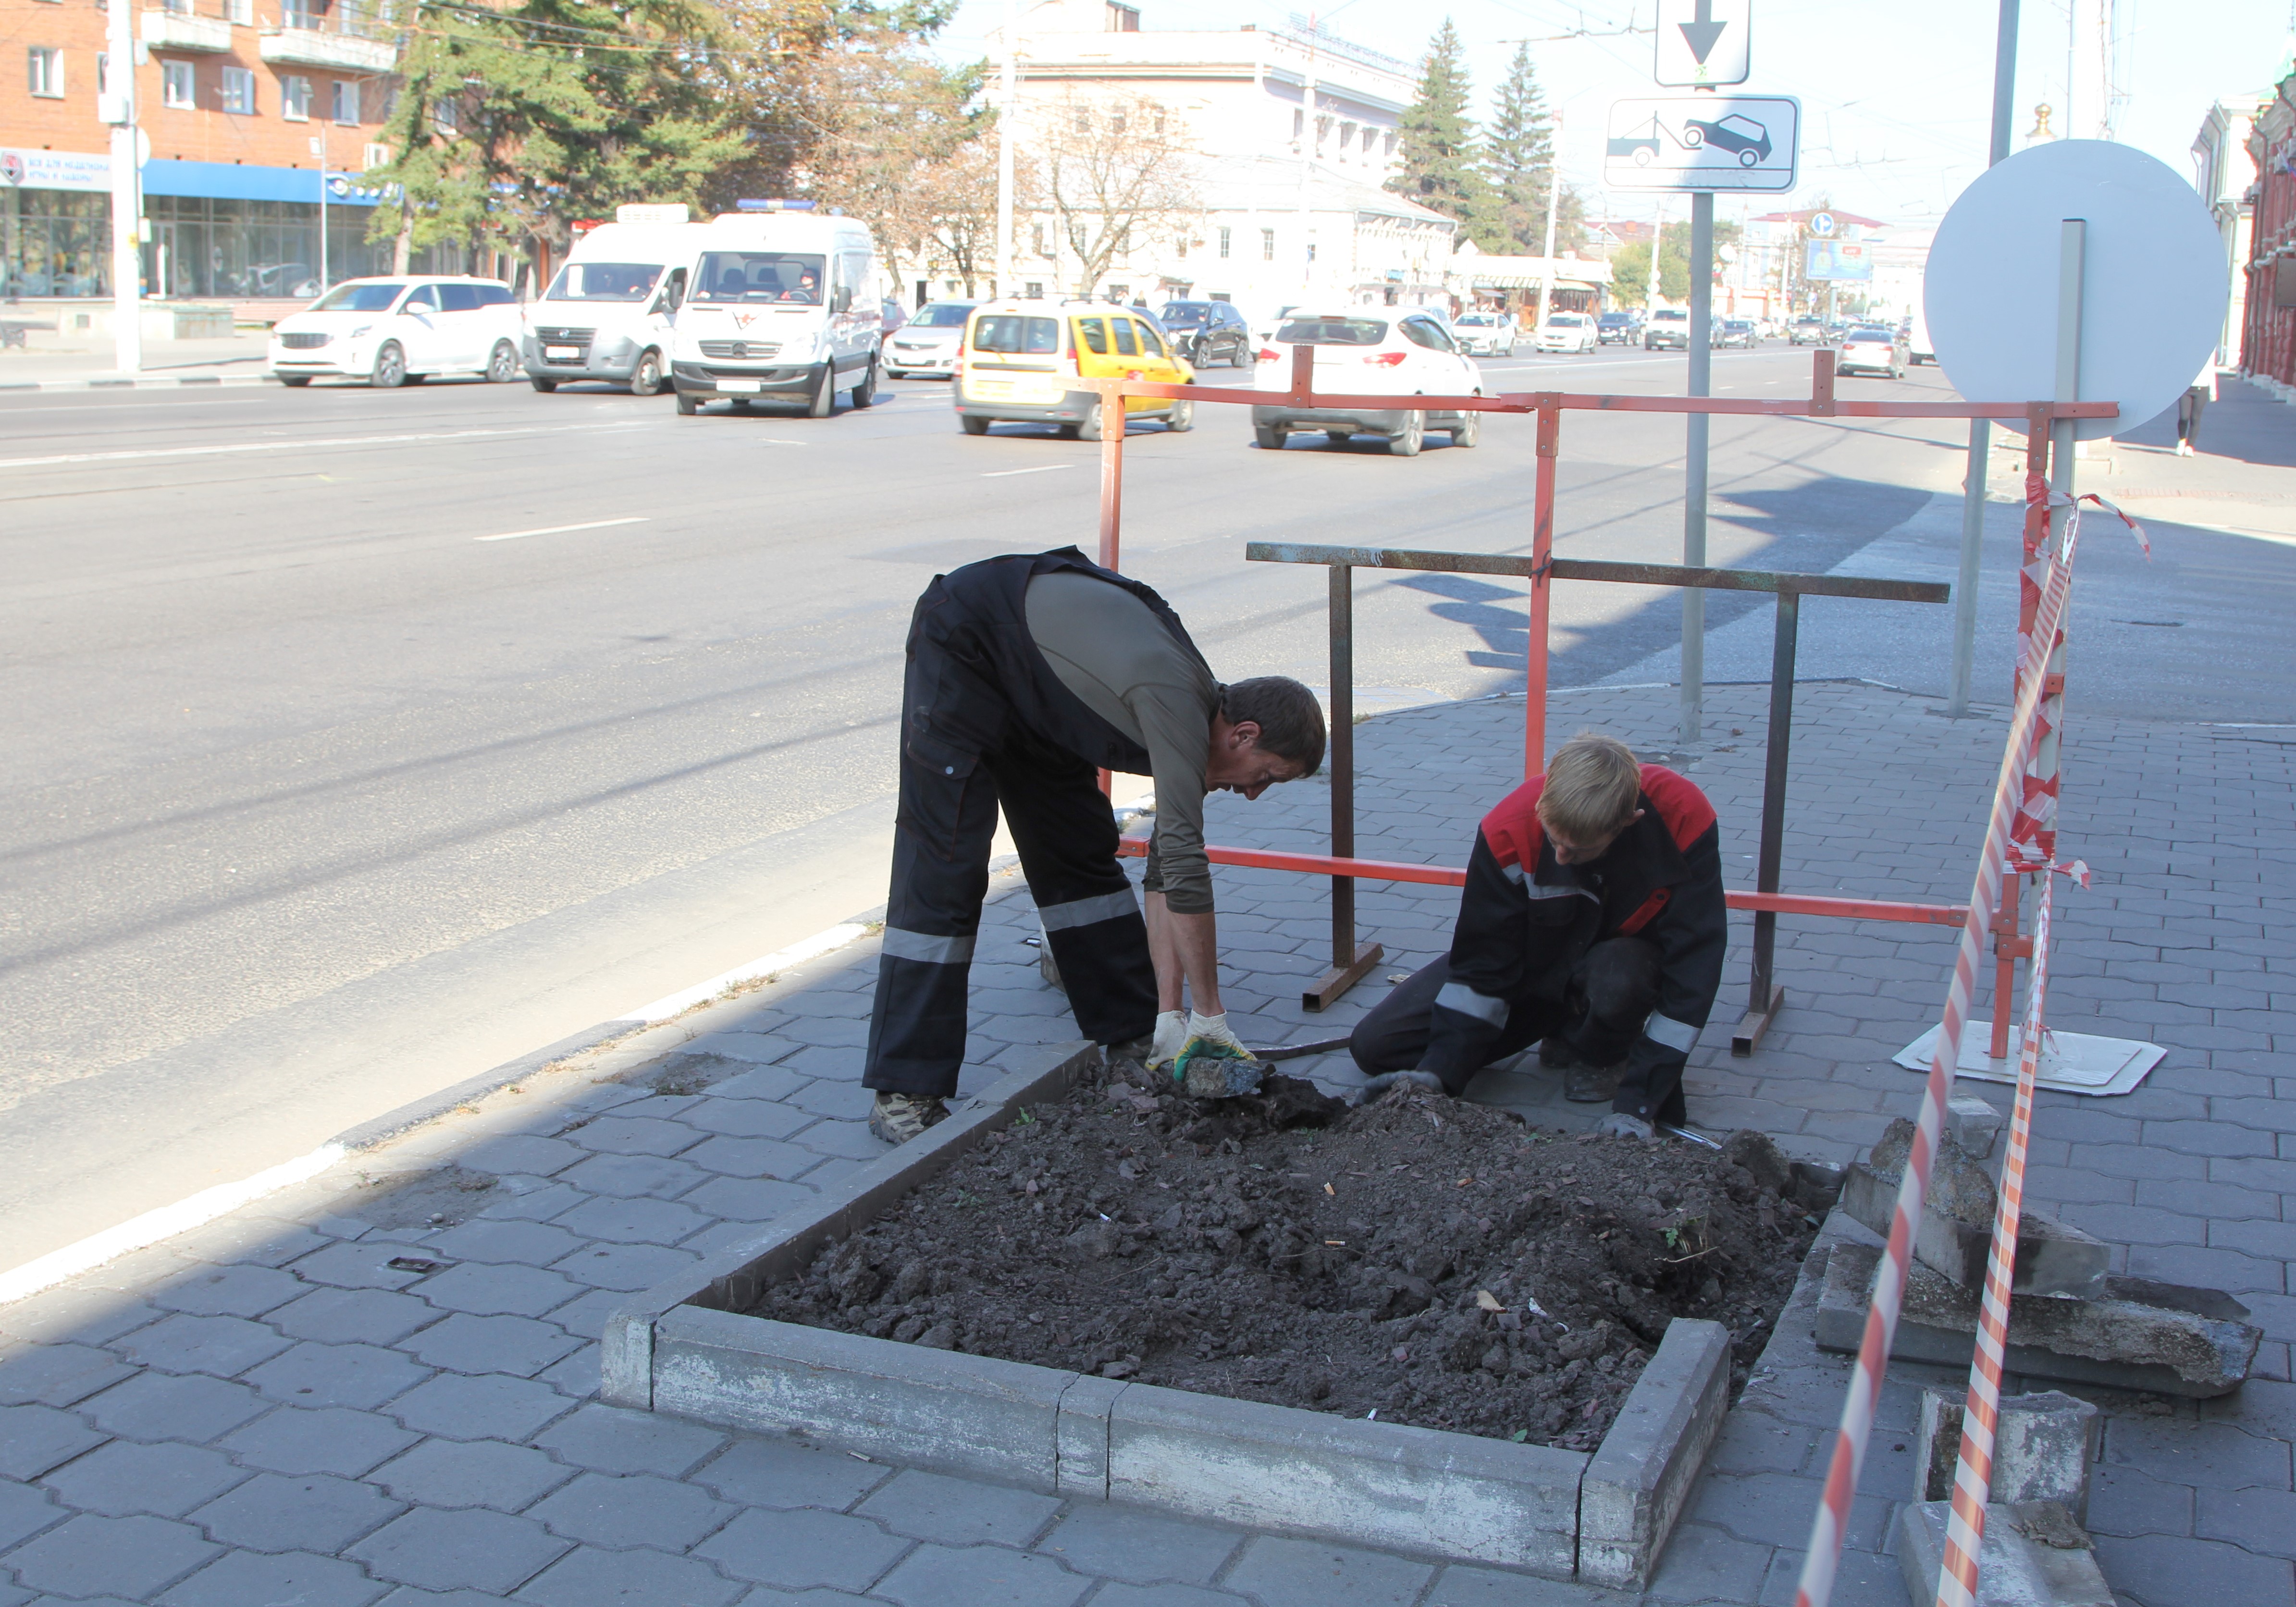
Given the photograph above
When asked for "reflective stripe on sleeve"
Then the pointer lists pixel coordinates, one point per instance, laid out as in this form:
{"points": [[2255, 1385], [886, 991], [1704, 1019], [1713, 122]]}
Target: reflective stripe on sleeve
{"points": [[1512, 873], [923, 945], [1677, 1036], [1087, 911], [1466, 1001]]}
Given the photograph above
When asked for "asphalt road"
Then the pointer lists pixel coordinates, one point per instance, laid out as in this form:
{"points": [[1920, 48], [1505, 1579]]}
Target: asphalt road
{"points": [[356, 741]]}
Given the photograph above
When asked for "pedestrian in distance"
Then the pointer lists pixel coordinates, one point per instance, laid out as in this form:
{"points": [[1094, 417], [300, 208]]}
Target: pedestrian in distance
{"points": [[2197, 396], [1028, 674], [1592, 924]]}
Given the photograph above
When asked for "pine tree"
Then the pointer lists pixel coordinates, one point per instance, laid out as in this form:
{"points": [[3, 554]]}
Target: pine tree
{"points": [[1440, 167], [1519, 162]]}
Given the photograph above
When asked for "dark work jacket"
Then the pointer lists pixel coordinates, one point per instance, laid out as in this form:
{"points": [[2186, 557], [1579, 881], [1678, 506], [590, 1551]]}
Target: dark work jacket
{"points": [[1525, 920], [975, 672]]}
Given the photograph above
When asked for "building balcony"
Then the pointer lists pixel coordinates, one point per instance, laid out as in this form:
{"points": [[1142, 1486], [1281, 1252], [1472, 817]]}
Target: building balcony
{"points": [[176, 30], [345, 53]]}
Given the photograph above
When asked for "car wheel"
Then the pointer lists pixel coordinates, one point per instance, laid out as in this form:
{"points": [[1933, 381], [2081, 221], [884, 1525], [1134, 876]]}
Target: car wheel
{"points": [[1089, 429], [1272, 437], [973, 426], [1468, 430], [646, 379], [390, 367], [1244, 356], [687, 405], [824, 394], [294, 379], [543, 386], [1406, 441], [865, 392], [502, 364], [1182, 418], [1066, 432], [896, 373]]}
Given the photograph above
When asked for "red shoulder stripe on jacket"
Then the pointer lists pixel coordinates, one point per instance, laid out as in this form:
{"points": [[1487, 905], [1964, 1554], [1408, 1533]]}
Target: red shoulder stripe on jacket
{"points": [[1512, 828], [1680, 804]]}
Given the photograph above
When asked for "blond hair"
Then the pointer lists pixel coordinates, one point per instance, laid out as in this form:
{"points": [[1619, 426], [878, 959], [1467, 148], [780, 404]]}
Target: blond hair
{"points": [[1593, 784]]}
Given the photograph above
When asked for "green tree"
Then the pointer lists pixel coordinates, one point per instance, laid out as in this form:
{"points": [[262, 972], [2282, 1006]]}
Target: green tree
{"points": [[1518, 160], [1439, 168], [1630, 273], [510, 124]]}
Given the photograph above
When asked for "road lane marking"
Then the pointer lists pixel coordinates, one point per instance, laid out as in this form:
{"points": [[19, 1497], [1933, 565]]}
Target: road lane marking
{"points": [[561, 530], [1040, 469], [291, 443]]}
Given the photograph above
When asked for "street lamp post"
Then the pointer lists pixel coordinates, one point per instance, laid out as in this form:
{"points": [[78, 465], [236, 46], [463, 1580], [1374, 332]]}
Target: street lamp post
{"points": [[1004, 154], [119, 110]]}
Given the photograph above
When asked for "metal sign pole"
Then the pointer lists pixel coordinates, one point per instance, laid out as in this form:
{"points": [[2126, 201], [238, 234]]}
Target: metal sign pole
{"points": [[1694, 495]]}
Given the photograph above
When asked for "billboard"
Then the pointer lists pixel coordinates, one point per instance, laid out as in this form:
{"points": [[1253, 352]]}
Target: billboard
{"points": [[1837, 260]]}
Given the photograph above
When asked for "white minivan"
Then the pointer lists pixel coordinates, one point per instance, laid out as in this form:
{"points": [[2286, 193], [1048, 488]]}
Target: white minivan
{"points": [[781, 305], [608, 314], [398, 329]]}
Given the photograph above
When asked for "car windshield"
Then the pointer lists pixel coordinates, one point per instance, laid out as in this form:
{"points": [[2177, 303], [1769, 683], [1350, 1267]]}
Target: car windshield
{"points": [[358, 298], [1333, 331], [1476, 320], [942, 314], [1569, 320], [757, 276], [1670, 317], [603, 281], [1013, 333], [1183, 312], [1882, 335], [1614, 317]]}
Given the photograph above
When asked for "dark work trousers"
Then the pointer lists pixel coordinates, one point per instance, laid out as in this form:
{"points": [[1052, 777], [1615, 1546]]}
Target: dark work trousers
{"points": [[1067, 838], [1597, 1007]]}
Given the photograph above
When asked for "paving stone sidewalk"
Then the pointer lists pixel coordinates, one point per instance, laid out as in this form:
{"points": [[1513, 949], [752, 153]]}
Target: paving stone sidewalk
{"points": [[377, 1388]]}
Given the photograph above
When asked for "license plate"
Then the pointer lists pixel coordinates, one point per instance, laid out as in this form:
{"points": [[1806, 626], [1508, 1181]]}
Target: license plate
{"points": [[740, 387], [991, 387], [560, 354]]}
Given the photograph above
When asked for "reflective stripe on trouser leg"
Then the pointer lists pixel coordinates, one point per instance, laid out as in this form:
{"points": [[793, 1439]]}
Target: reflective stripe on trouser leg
{"points": [[941, 838], [1466, 1001], [1067, 838]]}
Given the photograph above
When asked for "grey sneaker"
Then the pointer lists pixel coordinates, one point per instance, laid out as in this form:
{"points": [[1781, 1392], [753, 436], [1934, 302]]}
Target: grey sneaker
{"points": [[898, 1117]]}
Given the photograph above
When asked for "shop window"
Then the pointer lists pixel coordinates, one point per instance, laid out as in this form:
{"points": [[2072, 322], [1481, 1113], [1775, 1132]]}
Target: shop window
{"points": [[47, 72], [178, 87], [239, 91], [295, 99], [1225, 233], [1034, 290], [346, 92]]}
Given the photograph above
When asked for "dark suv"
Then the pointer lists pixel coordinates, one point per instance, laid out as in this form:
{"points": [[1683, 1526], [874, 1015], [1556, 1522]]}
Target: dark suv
{"points": [[1206, 331], [1617, 329]]}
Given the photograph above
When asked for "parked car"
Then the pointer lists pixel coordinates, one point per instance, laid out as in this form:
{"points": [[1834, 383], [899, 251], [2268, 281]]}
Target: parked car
{"points": [[1667, 327], [400, 329], [1737, 331], [1873, 351], [1208, 332], [1369, 351], [1567, 331], [1618, 329], [929, 343], [1919, 348], [1485, 334], [1022, 360]]}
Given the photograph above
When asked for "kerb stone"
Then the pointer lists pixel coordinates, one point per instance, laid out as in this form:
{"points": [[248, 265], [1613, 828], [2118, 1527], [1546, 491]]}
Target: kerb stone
{"points": [[1378, 1484], [2012, 1570], [2043, 1448], [1082, 1427], [1641, 1473]]}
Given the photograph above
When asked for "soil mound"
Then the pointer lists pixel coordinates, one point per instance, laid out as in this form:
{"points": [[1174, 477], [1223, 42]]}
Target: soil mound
{"points": [[1430, 1261]]}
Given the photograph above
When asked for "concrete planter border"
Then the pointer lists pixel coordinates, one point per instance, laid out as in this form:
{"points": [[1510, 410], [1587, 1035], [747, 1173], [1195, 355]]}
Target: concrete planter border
{"points": [[684, 1347]]}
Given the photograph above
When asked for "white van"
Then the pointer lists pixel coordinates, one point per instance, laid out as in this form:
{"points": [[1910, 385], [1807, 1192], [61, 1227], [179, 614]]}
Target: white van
{"points": [[608, 314], [781, 305], [1918, 348]]}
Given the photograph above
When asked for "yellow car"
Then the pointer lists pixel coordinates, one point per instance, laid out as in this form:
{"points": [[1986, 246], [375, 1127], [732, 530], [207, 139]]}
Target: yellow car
{"points": [[1021, 361]]}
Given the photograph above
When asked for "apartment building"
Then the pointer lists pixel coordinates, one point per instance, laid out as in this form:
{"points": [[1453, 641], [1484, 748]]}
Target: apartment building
{"points": [[249, 107]]}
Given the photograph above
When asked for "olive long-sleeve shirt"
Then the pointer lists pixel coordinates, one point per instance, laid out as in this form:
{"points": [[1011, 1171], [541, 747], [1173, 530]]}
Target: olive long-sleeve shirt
{"points": [[1115, 655]]}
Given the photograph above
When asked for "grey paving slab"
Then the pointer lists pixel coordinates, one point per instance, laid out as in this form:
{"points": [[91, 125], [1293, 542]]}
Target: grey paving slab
{"points": [[374, 1316], [499, 1291], [614, 1440], [589, 1577], [156, 1406], [125, 1478], [800, 1548], [490, 1406], [1301, 1573], [58, 1375], [958, 1512], [332, 1439], [631, 1509], [979, 1576], [756, 1471], [278, 1512], [240, 1291], [1119, 1542], [34, 1439], [25, 1511], [485, 1472], [1162, 1595], [359, 1376], [518, 1345], [245, 1579], [220, 1346], [472, 1549], [135, 1558], [521, 1242]]}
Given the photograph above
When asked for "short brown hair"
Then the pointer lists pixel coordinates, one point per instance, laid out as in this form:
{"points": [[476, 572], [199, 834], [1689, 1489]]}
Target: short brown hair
{"points": [[1593, 784], [1290, 721]]}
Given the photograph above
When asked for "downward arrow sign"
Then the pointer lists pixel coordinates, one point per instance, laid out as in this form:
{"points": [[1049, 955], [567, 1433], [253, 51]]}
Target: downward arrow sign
{"points": [[1701, 34]]}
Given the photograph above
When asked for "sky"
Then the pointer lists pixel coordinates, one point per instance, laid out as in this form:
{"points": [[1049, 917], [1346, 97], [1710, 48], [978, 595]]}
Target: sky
{"points": [[1897, 95]]}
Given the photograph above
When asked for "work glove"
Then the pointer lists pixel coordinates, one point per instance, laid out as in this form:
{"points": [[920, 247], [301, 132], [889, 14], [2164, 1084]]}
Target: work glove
{"points": [[1211, 1063], [1618, 1124], [1388, 1082], [1171, 1037]]}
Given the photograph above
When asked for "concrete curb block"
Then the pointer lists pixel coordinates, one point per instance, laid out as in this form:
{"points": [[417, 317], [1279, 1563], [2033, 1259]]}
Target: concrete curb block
{"points": [[412, 1114], [139, 383], [684, 1347]]}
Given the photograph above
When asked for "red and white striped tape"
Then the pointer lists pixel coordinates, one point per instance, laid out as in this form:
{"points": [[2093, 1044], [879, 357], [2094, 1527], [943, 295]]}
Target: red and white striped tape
{"points": [[1824, 1557]]}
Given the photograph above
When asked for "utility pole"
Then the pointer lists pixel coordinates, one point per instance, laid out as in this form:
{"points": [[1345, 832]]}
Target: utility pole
{"points": [[1307, 164], [1003, 152], [119, 110], [1700, 433], [1554, 204]]}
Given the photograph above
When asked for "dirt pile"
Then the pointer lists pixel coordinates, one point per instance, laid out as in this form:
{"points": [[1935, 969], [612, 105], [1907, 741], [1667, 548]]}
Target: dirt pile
{"points": [[1435, 1262]]}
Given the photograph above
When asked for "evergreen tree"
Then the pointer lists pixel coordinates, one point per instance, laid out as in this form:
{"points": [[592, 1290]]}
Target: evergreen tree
{"points": [[1519, 163], [1439, 168]]}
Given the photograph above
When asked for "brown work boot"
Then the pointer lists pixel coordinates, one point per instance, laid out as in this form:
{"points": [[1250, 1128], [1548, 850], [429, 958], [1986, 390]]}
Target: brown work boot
{"points": [[1592, 1085], [898, 1117], [1555, 1053]]}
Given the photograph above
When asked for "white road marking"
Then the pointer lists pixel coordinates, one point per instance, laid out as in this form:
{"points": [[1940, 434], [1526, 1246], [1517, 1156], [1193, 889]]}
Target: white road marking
{"points": [[292, 444], [1040, 469], [561, 530]]}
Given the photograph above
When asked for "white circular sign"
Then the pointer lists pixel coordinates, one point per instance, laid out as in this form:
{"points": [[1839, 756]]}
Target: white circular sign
{"points": [[1822, 224], [2154, 285]]}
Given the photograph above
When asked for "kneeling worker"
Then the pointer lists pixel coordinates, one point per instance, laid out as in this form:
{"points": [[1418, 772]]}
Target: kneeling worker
{"points": [[1592, 924], [1026, 674]]}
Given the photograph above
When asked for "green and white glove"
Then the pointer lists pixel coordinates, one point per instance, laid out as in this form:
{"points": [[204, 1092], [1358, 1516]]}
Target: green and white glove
{"points": [[1212, 1064], [1172, 1037]]}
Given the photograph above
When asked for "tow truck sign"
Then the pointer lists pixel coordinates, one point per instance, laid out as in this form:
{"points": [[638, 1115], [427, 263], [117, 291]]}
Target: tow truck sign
{"points": [[1703, 142]]}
